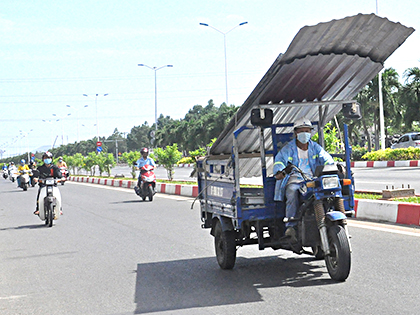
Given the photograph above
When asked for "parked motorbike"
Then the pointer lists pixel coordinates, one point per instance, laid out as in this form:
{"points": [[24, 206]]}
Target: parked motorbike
{"points": [[321, 220], [24, 179], [49, 201], [148, 183], [64, 174]]}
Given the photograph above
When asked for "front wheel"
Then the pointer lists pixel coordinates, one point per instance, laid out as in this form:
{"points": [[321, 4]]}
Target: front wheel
{"points": [[25, 186], [225, 245], [150, 193], [339, 261], [49, 216], [62, 182]]}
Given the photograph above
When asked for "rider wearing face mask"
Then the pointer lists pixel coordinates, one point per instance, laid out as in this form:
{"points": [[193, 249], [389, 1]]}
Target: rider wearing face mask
{"points": [[46, 170], [305, 154]]}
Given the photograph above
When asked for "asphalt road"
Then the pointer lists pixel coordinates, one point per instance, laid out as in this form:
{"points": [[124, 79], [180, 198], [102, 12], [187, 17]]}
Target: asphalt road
{"points": [[111, 253]]}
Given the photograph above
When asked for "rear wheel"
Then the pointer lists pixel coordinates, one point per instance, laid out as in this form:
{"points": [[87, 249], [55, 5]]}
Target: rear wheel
{"points": [[224, 243], [339, 261], [150, 193]]}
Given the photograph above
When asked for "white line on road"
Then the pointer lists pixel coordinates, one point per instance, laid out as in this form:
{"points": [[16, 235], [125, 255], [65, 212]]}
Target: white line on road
{"points": [[410, 231]]}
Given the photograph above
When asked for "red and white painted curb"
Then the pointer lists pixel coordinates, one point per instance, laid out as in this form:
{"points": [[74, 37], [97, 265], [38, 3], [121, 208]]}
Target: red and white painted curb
{"points": [[413, 163], [378, 210], [388, 211], [173, 189]]}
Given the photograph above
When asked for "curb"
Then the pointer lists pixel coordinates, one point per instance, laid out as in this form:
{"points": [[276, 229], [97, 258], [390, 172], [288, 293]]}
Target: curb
{"points": [[173, 189], [378, 210], [412, 163]]}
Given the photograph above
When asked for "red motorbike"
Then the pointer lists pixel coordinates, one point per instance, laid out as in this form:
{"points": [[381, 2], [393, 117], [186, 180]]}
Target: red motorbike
{"points": [[147, 184], [64, 174]]}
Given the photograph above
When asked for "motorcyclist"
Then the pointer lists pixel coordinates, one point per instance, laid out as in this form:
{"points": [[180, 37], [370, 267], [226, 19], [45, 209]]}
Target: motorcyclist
{"points": [[61, 163], [46, 170], [12, 168], [22, 167], [305, 154], [144, 160]]}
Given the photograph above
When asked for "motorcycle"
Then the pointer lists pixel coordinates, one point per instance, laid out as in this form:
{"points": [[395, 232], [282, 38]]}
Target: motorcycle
{"points": [[148, 183], [5, 173], [49, 201], [321, 219], [12, 173], [24, 179], [64, 174], [34, 177]]}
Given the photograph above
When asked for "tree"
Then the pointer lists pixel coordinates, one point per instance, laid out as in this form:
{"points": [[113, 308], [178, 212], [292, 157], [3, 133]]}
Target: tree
{"points": [[168, 157], [130, 158], [410, 96]]}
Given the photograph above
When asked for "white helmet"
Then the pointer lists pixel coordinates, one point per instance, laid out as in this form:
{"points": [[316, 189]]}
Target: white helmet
{"points": [[302, 122]]}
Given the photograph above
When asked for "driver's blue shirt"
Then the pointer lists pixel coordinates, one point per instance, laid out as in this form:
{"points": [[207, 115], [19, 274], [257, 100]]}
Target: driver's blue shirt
{"points": [[142, 162], [289, 153]]}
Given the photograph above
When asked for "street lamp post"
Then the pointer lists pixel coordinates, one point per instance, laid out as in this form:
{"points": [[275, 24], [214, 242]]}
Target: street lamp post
{"points": [[49, 121], [62, 126], [224, 40], [155, 69], [96, 108], [77, 118]]}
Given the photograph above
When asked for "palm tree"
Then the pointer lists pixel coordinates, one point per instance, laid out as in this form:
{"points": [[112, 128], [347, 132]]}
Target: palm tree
{"points": [[410, 96]]}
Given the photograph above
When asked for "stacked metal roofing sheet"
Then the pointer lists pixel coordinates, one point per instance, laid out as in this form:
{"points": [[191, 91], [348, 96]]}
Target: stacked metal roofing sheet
{"points": [[328, 62]]}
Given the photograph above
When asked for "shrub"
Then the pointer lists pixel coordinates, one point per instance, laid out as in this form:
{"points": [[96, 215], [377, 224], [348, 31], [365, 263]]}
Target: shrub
{"points": [[186, 160]]}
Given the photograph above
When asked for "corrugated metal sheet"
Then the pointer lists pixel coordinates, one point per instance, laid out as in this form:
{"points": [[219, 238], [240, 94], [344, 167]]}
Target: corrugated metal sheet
{"points": [[328, 62]]}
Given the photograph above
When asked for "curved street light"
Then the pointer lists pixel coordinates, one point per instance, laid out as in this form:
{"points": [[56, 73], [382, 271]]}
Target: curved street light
{"points": [[77, 117], [96, 106], [224, 40], [155, 69]]}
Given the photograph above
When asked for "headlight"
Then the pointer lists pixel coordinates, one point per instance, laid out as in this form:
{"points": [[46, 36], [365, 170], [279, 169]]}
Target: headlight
{"points": [[330, 182], [49, 182]]}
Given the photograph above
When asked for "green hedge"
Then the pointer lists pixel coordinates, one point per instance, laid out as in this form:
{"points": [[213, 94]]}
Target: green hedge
{"points": [[393, 154]]}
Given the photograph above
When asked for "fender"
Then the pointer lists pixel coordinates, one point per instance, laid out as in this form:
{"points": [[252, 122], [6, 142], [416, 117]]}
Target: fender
{"points": [[335, 216], [224, 221]]}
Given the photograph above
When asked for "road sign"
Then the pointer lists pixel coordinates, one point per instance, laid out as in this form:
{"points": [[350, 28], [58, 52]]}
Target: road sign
{"points": [[99, 143], [99, 149]]}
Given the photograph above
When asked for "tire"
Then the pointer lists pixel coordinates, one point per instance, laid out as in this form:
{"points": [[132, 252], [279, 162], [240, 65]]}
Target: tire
{"points": [[225, 245], [62, 182], [13, 179], [339, 261], [50, 216], [150, 193], [25, 187]]}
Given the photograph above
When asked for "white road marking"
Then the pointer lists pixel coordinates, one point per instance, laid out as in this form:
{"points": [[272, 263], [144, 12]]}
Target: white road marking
{"points": [[12, 297], [409, 231]]}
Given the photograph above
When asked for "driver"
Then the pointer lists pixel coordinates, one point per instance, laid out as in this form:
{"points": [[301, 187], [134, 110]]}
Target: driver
{"points": [[46, 170], [302, 152], [144, 160], [61, 162], [22, 166]]}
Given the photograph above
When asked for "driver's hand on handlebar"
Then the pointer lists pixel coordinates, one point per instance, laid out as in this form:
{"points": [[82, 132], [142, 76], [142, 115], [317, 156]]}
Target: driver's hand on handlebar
{"points": [[288, 169], [279, 175]]}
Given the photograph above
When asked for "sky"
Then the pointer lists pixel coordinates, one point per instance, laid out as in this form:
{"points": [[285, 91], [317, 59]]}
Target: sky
{"points": [[54, 52]]}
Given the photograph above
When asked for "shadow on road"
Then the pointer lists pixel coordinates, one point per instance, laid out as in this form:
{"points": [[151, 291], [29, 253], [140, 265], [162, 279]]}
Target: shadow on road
{"points": [[194, 283], [22, 227]]}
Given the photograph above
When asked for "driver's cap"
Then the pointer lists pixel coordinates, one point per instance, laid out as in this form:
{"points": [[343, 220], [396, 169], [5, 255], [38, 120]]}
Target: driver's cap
{"points": [[302, 122]]}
